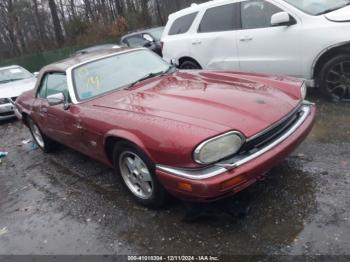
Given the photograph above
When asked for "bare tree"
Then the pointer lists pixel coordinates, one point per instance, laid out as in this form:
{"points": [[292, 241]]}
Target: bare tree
{"points": [[32, 25], [56, 22]]}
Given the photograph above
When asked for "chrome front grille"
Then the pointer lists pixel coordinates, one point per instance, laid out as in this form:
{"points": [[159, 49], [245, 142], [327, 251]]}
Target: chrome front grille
{"points": [[262, 139]]}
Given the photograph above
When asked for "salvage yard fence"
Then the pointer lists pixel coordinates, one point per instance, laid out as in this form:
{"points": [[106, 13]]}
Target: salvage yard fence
{"points": [[34, 62]]}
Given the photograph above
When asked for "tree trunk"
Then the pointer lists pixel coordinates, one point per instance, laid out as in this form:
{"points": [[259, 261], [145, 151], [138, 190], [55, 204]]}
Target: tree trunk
{"points": [[56, 23], [38, 25], [11, 28], [88, 10], [146, 17], [120, 7], [72, 7], [160, 17]]}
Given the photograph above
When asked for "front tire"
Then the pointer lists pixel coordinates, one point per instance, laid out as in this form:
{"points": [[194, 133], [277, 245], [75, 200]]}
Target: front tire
{"points": [[335, 78], [44, 143], [138, 174]]}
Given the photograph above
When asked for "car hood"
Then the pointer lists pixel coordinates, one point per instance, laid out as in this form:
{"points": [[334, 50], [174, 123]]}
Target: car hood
{"points": [[340, 15], [14, 89], [217, 101]]}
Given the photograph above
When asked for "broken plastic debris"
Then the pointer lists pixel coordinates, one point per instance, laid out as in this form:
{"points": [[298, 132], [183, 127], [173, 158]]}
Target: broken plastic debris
{"points": [[3, 231], [3, 154], [26, 141]]}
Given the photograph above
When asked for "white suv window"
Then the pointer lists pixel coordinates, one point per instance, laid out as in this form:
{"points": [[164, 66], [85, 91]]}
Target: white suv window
{"points": [[182, 24], [220, 18], [257, 14]]}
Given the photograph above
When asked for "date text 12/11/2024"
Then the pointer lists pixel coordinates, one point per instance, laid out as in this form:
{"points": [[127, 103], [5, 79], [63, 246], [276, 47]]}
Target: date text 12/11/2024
{"points": [[173, 258]]}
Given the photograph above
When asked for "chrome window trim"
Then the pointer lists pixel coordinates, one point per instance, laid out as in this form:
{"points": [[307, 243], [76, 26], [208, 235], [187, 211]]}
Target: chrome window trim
{"points": [[222, 167]]}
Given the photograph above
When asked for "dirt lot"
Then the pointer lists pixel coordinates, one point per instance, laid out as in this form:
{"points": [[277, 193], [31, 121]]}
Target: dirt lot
{"points": [[65, 203]]}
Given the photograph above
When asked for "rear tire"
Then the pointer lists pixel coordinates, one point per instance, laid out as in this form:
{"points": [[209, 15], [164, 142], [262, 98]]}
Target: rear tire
{"points": [[334, 78], [138, 174], [44, 143], [189, 65]]}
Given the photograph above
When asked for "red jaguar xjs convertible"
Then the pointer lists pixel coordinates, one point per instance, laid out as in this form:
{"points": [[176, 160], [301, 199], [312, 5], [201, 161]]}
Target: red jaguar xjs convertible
{"points": [[199, 135]]}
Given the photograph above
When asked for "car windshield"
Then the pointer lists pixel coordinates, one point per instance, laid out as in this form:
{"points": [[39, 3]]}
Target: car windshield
{"points": [[318, 7], [13, 74], [116, 72]]}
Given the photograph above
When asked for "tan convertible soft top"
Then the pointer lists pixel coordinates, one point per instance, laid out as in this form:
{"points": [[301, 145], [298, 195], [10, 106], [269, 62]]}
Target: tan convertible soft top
{"points": [[63, 65]]}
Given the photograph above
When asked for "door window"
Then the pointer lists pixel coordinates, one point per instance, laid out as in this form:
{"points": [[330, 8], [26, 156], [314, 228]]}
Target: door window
{"points": [[42, 89], [220, 18], [257, 14], [182, 24], [53, 83]]}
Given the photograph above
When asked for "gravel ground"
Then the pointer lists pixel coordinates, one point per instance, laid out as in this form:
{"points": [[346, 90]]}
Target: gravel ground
{"points": [[65, 203]]}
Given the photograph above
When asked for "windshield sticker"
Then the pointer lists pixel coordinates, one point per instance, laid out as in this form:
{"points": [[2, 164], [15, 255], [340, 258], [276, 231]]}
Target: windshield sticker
{"points": [[93, 82]]}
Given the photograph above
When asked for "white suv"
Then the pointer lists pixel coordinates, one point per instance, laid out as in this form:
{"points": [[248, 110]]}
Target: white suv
{"points": [[303, 38]]}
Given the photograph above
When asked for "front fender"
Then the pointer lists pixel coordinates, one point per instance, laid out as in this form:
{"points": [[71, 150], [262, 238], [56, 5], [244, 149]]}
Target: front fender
{"points": [[126, 135]]}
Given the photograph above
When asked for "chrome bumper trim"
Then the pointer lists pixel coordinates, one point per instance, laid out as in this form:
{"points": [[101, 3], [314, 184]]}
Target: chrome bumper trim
{"points": [[17, 113], [224, 166]]}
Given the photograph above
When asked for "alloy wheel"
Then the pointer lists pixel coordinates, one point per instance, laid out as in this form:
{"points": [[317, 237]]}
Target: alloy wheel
{"points": [[338, 81], [136, 175], [37, 135]]}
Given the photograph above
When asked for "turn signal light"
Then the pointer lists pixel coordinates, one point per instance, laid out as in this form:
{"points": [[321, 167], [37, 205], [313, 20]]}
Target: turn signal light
{"points": [[237, 180], [185, 186]]}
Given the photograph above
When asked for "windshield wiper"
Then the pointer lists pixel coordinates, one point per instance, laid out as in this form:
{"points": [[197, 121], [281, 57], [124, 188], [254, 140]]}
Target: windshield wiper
{"points": [[10, 80], [333, 9], [150, 75]]}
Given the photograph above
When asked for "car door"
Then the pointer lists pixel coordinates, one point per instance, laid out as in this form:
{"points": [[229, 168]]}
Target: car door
{"points": [[39, 106], [264, 48], [58, 123], [214, 44]]}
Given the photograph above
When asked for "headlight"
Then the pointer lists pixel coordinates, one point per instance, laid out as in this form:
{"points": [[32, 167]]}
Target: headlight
{"points": [[218, 148], [3, 101], [303, 91]]}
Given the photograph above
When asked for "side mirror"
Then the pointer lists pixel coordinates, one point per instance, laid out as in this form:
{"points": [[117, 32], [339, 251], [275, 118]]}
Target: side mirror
{"points": [[148, 38], [174, 62], [281, 18], [57, 99], [36, 74]]}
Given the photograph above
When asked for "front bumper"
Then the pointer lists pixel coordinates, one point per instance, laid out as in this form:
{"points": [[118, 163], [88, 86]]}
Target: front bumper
{"points": [[227, 178], [6, 111]]}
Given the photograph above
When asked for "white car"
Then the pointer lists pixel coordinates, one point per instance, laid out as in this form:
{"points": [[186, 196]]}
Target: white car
{"points": [[14, 80], [302, 38]]}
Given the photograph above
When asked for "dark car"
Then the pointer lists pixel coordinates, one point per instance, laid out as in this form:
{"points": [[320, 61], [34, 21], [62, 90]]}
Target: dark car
{"points": [[149, 38]]}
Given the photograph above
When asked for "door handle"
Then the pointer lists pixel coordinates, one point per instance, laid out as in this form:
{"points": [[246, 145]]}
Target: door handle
{"points": [[43, 110], [196, 42], [246, 38]]}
